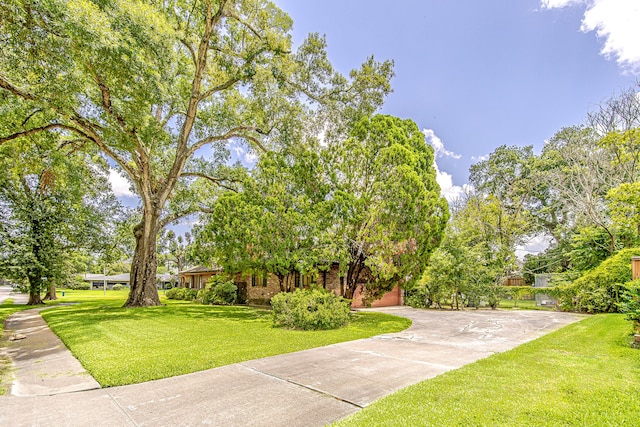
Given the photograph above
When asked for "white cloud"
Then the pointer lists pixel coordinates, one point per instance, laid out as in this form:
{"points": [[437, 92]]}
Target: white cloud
{"points": [[550, 4], [480, 158], [438, 146], [250, 158], [534, 246], [119, 184], [614, 21], [238, 149], [447, 188]]}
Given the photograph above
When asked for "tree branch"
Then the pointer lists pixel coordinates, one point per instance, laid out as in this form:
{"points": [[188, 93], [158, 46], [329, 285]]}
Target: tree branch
{"points": [[245, 24], [37, 130], [191, 51], [89, 131], [174, 217], [232, 133], [108, 106], [218, 88], [216, 181], [4, 84]]}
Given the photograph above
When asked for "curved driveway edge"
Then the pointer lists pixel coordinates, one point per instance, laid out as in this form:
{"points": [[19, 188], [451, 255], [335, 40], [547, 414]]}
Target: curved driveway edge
{"points": [[307, 388]]}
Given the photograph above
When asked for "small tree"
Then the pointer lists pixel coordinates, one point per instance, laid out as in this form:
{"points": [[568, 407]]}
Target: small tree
{"points": [[630, 304], [387, 212], [53, 202]]}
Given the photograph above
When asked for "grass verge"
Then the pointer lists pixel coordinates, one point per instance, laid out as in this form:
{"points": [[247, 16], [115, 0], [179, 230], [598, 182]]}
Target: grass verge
{"points": [[124, 346], [585, 374]]}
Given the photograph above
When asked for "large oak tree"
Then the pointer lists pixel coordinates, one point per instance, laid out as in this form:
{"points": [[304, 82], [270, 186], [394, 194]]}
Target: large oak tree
{"points": [[153, 84]]}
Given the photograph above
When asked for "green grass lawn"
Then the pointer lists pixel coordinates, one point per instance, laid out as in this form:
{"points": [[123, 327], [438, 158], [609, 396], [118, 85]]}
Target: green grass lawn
{"points": [[585, 374], [125, 346], [526, 304]]}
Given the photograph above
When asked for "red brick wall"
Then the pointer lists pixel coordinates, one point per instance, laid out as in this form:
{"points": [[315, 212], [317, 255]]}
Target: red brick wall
{"points": [[394, 297]]}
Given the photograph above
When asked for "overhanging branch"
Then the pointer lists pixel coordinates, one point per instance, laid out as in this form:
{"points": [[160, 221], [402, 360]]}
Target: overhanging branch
{"points": [[216, 181], [37, 130], [4, 84], [237, 132]]}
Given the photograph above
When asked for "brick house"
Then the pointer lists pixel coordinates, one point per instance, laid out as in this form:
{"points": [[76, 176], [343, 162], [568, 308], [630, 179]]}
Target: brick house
{"points": [[260, 288]]}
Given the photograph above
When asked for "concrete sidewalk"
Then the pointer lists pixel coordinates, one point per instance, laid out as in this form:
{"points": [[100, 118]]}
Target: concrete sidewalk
{"points": [[6, 292], [42, 364], [307, 388]]}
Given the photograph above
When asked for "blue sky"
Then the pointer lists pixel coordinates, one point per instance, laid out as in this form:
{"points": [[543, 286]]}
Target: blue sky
{"points": [[475, 74]]}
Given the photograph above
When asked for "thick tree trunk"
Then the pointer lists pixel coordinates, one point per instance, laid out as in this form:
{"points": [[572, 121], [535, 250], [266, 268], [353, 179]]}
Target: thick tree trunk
{"points": [[144, 291], [51, 293], [34, 292]]}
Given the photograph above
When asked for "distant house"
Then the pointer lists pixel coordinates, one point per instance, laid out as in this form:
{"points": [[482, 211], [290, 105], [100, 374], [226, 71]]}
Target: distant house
{"points": [[196, 277], [97, 281], [260, 288]]}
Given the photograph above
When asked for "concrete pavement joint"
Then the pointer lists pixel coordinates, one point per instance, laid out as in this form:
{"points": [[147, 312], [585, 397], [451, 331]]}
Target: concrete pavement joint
{"points": [[122, 409], [308, 387]]}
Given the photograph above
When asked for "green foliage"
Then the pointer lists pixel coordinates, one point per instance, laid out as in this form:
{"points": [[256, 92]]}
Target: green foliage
{"points": [[590, 246], [117, 287], [388, 214], [172, 293], [370, 203], [624, 208], [218, 292], [148, 84], [599, 290], [630, 304], [184, 294], [54, 202], [310, 309], [79, 285]]}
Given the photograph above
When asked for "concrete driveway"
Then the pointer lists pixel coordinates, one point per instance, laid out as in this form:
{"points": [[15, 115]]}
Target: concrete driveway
{"points": [[308, 388]]}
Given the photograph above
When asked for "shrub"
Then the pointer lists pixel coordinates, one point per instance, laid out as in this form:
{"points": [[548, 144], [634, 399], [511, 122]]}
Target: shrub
{"points": [[310, 309], [219, 291], [78, 285], [630, 304], [599, 290], [189, 294], [117, 287], [417, 297], [171, 293], [181, 294], [226, 292]]}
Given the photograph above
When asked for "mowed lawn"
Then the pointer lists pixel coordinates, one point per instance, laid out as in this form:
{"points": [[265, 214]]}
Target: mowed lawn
{"points": [[585, 374], [124, 346]]}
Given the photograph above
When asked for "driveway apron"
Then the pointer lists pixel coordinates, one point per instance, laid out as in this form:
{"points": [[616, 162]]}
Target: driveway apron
{"points": [[307, 388]]}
